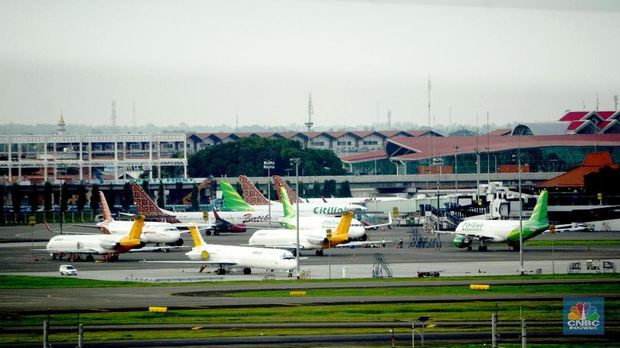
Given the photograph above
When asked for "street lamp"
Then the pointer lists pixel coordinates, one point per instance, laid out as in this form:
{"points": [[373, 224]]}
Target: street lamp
{"points": [[438, 161], [269, 165], [521, 269], [296, 161], [456, 167]]}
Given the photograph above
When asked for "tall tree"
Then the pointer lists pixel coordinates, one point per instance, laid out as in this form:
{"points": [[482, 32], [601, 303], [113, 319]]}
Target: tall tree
{"points": [[239, 188], [81, 197], [127, 198], [2, 199], [47, 196], [94, 198], [329, 188], [195, 204], [246, 156], [145, 187], [316, 190], [64, 197], [16, 195], [161, 195], [111, 198], [33, 199], [345, 189]]}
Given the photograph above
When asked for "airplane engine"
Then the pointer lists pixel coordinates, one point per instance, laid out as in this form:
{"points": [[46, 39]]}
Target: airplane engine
{"points": [[461, 241], [179, 242], [109, 245]]}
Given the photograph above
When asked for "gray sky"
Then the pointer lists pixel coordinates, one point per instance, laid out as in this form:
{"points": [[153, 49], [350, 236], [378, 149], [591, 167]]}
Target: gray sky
{"points": [[203, 62]]}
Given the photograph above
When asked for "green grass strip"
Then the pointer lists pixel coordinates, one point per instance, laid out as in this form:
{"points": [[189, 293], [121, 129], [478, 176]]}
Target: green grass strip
{"points": [[564, 242], [564, 289], [36, 282]]}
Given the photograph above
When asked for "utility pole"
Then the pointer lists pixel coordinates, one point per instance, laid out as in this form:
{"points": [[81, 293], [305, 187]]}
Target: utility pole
{"points": [[296, 162], [269, 165]]}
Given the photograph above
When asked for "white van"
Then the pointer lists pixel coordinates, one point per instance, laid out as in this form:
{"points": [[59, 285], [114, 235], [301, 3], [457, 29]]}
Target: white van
{"points": [[67, 270]]}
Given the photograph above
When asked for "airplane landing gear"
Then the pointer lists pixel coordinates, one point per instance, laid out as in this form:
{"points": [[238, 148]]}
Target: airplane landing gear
{"points": [[319, 252]]}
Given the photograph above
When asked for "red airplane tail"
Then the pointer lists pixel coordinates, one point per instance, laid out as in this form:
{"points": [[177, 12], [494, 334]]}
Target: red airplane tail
{"points": [[279, 182], [251, 194], [147, 207]]}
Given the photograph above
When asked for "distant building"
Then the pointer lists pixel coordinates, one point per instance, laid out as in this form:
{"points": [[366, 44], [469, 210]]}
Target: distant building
{"points": [[342, 142]]}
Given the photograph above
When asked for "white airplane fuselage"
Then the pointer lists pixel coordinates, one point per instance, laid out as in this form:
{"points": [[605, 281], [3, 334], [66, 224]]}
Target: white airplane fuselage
{"points": [[91, 243], [152, 232], [308, 239], [269, 259], [497, 230], [356, 230]]}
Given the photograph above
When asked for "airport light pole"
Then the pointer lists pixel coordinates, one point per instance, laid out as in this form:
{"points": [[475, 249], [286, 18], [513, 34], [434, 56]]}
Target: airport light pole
{"points": [[296, 161], [521, 269], [269, 165], [456, 167]]}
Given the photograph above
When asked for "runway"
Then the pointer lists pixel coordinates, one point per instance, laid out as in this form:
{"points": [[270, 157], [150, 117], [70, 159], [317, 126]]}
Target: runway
{"points": [[17, 256]]}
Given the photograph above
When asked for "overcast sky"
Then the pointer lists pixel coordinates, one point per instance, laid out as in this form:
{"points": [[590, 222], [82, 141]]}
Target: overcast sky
{"points": [[203, 62]]}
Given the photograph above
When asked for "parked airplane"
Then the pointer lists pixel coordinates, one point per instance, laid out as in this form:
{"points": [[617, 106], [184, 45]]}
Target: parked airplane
{"points": [[226, 256], [502, 231], [222, 223], [96, 244], [233, 201], [289, 220], [152, 232], [280, 182], [315, 239]]}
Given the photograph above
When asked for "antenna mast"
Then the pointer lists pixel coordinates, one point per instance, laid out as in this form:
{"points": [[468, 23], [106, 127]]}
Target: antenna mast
{"points": [[309, 124], [113, 116], [133, 113]]}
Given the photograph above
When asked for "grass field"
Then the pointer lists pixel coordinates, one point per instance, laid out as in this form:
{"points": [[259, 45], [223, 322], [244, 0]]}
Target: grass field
{"points": [[564, 242], [398, 313], [32, 282]]}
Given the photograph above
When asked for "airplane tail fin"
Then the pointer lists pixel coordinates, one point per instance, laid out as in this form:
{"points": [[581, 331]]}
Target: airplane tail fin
{"points": [[232, 199], [144, 203], [136, 228], [345, 223], [288, 211], [539, 219], [147, 207], [279, 182], [105, 209], [251, 194], [196, 237]]}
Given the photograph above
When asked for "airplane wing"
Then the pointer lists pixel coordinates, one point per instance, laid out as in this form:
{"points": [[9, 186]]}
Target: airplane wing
{"points": [[374, 227], [205, 262], [154, 249], [364, 243], [49, 229], [478, 234], [72, 251], [572, 227]]}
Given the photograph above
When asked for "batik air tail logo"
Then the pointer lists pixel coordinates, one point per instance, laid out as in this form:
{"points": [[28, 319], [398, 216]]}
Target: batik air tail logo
{"points": [[584, 317]]}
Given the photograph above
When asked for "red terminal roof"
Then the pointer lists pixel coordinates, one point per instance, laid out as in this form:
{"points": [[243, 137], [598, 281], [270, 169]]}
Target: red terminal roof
{"points": [[575, 177], [413, 149]]}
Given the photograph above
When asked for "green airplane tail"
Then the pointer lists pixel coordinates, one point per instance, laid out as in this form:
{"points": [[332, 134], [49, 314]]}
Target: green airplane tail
{"points": [[288, 219], [232, 200], [539, 220]]}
